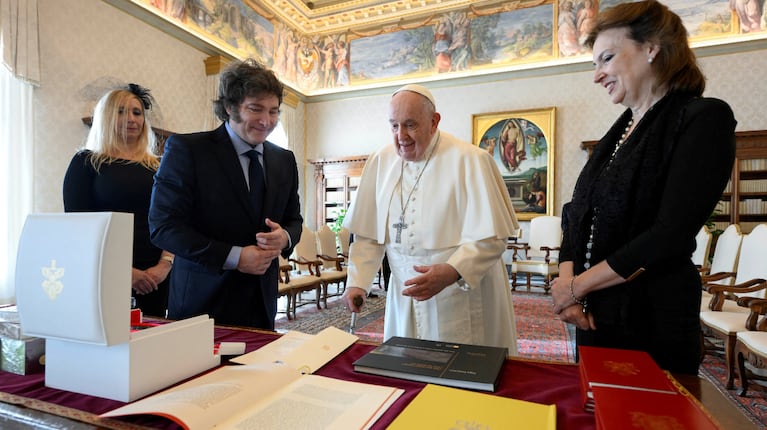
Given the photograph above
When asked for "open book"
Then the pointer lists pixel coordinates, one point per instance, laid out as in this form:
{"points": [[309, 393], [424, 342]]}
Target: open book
{"points": [[269, 394]]}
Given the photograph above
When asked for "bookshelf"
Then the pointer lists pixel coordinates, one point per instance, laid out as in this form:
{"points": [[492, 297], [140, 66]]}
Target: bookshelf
{"points": [[336, 181], [744, 200]]}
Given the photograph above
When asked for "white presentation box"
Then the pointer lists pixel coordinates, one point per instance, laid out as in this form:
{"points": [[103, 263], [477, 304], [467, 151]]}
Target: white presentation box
{"points": [[73, 287]]}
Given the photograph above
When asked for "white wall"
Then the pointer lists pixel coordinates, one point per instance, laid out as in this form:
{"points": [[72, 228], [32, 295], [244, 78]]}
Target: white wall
{"points": [[583, 112]]}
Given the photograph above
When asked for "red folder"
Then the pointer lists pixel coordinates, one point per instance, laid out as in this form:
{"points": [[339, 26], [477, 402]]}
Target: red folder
{"points": [[620, 409], [619, 368]]}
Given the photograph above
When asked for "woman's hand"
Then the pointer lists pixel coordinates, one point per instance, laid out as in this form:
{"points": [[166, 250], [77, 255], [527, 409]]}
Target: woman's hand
{"points": [[561, 294], [574, 315]]}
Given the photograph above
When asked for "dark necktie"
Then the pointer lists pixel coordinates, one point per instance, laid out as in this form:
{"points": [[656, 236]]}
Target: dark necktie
{"points": [[256, 180]]}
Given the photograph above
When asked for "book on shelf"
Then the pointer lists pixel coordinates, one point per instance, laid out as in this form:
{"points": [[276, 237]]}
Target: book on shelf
{"points": [[619, 409], [474, 367], [438, 407], [273, 383], [619, 368]]}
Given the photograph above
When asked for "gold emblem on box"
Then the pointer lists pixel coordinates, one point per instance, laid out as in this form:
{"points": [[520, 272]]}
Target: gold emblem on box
{"points": [[52, 284]]}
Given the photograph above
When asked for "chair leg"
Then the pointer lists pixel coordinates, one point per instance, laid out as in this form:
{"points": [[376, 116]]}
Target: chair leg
{"points": [[287, 308], [742, 373], [322, 295], [729, 348], [513, 281], [528, 282]]}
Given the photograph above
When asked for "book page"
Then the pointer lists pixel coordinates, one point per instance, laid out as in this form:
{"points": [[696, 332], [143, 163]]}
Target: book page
{"points": [[301, 351], [210, 399], [319, 402]]}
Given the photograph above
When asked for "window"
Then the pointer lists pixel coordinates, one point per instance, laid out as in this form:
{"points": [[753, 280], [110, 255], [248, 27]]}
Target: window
{"points": [[16, 138], [278, 136]]}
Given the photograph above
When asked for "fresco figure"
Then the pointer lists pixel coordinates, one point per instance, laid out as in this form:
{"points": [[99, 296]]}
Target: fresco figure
{"points": [[567, 34], [459, 48], [328, 65], [749, 13], [342, 64], [586, 20], [442, 40]]}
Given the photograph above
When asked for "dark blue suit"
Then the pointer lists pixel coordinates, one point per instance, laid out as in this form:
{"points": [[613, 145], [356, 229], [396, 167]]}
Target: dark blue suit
{"points": [[200, 209]]}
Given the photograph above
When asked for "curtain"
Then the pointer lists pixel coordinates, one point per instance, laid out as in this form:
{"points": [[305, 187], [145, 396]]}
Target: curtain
{"points": [[210, 121], [19, 39], [291, 129], [16, 149]]}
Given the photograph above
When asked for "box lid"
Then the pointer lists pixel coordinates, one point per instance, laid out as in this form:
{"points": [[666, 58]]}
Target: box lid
{"points": [[73, 276]]}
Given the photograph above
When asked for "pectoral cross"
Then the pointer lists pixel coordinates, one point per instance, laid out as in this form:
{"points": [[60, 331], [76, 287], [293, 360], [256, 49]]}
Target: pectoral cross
{"points": [[399, 226]]}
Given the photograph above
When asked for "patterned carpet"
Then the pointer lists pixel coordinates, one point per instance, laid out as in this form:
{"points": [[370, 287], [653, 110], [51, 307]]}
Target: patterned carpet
{"points": [[540, 334], [754, 406]]}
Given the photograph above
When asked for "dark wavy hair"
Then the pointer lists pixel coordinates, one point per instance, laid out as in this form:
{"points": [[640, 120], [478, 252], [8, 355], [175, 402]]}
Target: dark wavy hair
{"points": [[650, 21], [243, 79]]}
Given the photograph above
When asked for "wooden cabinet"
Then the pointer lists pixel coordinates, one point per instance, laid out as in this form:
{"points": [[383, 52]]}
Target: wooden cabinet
{"points": [[744, 201], [336, 181]]}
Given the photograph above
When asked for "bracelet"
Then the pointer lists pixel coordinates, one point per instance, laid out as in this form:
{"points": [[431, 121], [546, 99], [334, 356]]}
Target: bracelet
{"points": [[577, 301], [167, 258]]}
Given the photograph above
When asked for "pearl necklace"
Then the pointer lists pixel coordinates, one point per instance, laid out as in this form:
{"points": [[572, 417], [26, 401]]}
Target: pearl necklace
{"points": [[593, 228], [621, 141]]}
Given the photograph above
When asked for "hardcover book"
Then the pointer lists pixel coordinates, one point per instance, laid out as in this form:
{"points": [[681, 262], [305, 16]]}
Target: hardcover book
{"points": [[618, 409], [619, 368], [438, 407], [474, 367]]}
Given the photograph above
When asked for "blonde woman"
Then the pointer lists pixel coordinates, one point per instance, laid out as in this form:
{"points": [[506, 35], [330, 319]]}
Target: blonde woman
{"points": [[114, 172]]}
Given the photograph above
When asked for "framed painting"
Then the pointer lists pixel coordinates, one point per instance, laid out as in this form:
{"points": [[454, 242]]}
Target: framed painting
{"points": [[522, 145]]}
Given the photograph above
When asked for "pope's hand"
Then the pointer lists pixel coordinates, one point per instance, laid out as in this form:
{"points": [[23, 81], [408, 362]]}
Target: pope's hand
{"points": [[432, 280]]}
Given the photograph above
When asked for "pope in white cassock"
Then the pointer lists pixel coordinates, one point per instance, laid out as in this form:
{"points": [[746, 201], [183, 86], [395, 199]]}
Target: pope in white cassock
{"points": [[438, 208]]}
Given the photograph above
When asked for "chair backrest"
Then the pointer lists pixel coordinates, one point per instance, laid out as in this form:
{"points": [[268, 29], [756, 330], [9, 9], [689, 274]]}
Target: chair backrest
{"points": [[345, 239], [306, 248], [545, 231], [327, 241], [751, 262], [726, 253], [702, 247]]}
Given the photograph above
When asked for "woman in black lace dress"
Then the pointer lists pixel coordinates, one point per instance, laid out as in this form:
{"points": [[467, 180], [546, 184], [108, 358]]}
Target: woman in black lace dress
{"points": [[114, 173], [626, 277]]}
